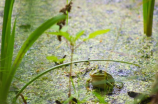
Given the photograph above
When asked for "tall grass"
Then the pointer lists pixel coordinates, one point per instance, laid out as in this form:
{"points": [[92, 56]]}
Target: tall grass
{"points": [[148, 8], [7, 67]]}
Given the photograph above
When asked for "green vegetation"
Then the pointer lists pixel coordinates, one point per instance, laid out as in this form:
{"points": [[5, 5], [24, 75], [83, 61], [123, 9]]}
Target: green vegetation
{"points": [[148, 9], [7, 68], [72, 45]]}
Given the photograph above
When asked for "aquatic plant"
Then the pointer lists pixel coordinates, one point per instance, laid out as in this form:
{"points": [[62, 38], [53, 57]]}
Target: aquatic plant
{"points": [[148, 8], [71, 41], [7, 67]]}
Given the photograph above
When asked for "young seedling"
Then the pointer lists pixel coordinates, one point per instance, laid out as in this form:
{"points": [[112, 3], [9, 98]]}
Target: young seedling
{"points": [[71, 41]]}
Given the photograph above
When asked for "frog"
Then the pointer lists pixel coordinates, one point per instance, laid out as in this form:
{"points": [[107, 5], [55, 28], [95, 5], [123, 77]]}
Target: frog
{"points": [[103, 81]]}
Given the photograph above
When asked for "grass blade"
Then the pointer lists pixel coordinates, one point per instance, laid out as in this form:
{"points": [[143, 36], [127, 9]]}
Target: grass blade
{"points": [[78, 35], [5, 34], [6, 44], [64, 34], [27, 44], [101, 99], [145, 14], [96, 33], [148, 8], [9, 53], [150, 18]]}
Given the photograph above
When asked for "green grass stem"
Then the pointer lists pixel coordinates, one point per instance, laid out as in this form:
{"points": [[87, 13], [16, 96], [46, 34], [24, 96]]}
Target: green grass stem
{"points": [[148, 9], [150, 18]]}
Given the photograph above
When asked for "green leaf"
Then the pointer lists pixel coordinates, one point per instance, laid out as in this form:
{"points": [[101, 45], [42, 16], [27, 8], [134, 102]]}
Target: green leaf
{"points": [[96, 33], [55, 27], [35, 35], [6, 24], [149, 24], [11, 46], [78, 35], [61, 60], [101, 99], [7, 41], [65, 28], [53, 33], [67, 36], [26, 46], [52, 58], [55, 59], [64, 34]]}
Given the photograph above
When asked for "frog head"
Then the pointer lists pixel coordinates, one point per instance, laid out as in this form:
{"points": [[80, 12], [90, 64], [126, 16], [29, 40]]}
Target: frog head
{"points": [[102, 80]]}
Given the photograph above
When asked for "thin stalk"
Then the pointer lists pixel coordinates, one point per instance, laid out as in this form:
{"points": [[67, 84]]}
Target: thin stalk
{"points": [[67, 43], [70, 77], [145, 12], [150, 18], [67, 16], [79, 44], [148, 8]]}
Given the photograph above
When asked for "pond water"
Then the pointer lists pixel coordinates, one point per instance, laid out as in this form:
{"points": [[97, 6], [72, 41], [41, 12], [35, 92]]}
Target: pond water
{"points": [[124, 42]]}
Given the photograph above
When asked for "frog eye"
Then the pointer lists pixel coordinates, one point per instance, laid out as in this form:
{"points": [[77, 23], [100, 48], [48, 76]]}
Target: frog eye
{"points": [[100, 71]]}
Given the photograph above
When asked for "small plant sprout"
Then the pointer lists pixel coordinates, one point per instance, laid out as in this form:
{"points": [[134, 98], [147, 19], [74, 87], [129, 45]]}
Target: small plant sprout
{"points": [[71, 41]]}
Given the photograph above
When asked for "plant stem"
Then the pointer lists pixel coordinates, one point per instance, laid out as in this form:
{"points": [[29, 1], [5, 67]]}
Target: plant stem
{"points": [[70, 77], [148, 8], [145, 14], [79, 44], [150, 18], [67, 14]]}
